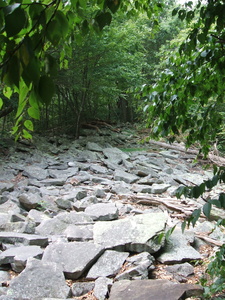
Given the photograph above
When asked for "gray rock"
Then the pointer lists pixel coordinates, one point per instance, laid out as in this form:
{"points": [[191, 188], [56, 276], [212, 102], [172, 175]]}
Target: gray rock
{"points": [[93, 147], [135, 234], [35, 172], [124, 176], [74, 257], [170, 154], [85, 202], [26, 239], [4, 277], [81, 288], [38, 280], [98, 169], [18, 256], [81, 194], [120, 188], [115, 155], [63, 203], [37, 216], [108, 264], [102, 211], [29, 201], [4, 219], [178, 249], [159, 188], [152, 290], [102, 287], [63, 175], [181, 271], [140, 188], [6, 186], [79, 233], [193, 178], [138, 267], [99, 193], [58, 224]]}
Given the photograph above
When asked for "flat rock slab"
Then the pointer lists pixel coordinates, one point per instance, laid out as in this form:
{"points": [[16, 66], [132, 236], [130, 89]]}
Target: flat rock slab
{"points": [[74, 257], [26, 239], [152, 290], [58, 224], [39, 279], [125, 176], [102, 211], [134, 234], [18, 256], [178, 250], [108, 264]]}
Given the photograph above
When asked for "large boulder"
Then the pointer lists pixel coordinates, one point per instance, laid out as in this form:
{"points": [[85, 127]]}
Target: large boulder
{"points": [[152, 290], [38, 280], [135, 234], [74, 257]]}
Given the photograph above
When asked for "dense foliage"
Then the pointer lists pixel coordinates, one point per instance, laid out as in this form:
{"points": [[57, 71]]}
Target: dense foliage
{"points": [[188, 92], [27, 64]]}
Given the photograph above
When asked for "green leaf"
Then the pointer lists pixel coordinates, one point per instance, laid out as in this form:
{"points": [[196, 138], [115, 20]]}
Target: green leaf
{"points": [[15, 22], [215, 202], [196, 192], [169, 232], [29, 125], [57, 28], [34, 113], [31, 72], [113, 5], [103, 19], [51, 66], [207, 209], [53, 33], [46, 89], [175, 11], [63, 23], [36, 11], [26, 134], [182, 14], [1, 103], [23, 91], [11, 74], [7, 92], [195, 216], [222, 200], [11, 8], [34, 99], [2, 21]]}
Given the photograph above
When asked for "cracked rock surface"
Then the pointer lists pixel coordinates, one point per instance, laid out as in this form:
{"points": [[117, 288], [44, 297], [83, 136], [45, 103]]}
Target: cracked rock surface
{"points": [[87, 218]]}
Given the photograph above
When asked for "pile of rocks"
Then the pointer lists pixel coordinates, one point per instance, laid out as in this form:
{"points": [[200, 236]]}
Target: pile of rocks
{"points": [[68, 226]]}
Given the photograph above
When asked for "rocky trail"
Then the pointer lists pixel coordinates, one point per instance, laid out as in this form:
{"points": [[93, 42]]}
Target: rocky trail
{"points": [[87, 219]]}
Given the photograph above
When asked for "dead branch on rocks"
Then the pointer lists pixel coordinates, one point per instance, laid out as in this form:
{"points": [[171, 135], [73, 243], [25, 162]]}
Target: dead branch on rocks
{"points": [[169, 203], [216, 159], [208, 239]]}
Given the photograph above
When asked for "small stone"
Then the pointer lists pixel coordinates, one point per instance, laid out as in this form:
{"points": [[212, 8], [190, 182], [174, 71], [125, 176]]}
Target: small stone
{"points": [[81, 288], [108, 264], [102, 211], [102, 287]]}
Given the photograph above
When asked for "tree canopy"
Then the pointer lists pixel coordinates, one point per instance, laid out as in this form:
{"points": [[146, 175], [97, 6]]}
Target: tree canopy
{"points": [[187, 93], [27, 64]]}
